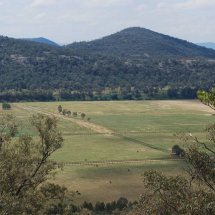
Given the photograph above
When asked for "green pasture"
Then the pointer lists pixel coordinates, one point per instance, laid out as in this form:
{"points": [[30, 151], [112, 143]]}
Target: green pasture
{"points": [[110, 182], [82, 148], [138, 125]]}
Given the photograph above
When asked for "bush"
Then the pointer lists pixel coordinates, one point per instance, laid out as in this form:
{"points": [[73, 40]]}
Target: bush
{"points": [[113, 205], [83, 115], [100, 206], [69, 113], [177, 150], [74, 114], [60, 109], [6, 106], [88, 205], [122, 203]]}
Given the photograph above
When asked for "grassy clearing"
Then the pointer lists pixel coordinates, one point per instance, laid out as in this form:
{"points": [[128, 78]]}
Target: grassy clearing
{"points": [[125, 107], [101, 148], [140, 124]]}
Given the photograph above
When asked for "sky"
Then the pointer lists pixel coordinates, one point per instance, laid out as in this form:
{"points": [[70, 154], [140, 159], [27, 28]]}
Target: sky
{"points": [[67, 21]]}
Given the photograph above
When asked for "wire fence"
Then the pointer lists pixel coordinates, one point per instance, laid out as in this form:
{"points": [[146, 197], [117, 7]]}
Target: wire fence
{"points": [[125, 162]]}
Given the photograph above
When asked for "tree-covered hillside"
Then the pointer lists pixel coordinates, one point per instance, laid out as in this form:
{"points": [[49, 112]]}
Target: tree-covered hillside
{"points": [[119, 70], [136, 42]]}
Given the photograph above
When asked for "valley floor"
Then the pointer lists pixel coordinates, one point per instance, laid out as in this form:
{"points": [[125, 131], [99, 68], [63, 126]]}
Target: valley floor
{"points": [[104, 157]]}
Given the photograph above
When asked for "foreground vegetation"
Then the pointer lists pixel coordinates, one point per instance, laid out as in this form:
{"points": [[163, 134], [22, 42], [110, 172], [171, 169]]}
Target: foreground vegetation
{"points": [[25, 167], [194, 194]]}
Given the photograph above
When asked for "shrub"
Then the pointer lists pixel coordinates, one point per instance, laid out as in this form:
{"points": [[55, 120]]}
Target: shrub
{"points": [[122, 203], [177, 150], [74, 114], [60, 109], [6, 106], [88, 205], [100, 206], [83, 115]]}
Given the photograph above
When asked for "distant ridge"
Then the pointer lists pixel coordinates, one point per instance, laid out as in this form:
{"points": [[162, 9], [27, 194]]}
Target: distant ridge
{"points": [[42, 40], [138, 41], [207, 45]]}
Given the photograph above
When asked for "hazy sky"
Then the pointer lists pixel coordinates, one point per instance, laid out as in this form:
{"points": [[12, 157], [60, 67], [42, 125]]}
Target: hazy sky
{"points": [[66, 21]]}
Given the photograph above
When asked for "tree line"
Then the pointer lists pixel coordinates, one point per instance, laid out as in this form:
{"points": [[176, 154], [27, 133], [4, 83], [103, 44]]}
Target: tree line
{"points": [[69, 113], [107, 94]]}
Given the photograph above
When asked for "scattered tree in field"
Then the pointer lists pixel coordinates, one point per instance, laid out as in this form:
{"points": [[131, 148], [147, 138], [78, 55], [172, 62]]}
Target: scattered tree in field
{"points": [[6, 106], [69, 113], [64, 112], [177, 150], [25, 168], [74, 114], [83, 115], [88, 119], [60, 109]]}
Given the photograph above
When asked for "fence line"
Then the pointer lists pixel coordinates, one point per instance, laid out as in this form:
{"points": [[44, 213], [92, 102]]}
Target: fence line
{"points": [[114, 162]]}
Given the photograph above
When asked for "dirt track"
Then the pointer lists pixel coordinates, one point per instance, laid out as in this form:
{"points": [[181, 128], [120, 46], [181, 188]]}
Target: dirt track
{"points": [[93, 127], [89, 125]]}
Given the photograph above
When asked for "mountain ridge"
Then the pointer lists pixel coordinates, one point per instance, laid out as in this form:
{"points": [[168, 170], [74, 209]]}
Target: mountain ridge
{"points": [[143, 42]]}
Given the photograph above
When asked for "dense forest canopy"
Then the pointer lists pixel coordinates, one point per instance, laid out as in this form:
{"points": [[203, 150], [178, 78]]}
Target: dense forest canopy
{"points": [[133, 64]]}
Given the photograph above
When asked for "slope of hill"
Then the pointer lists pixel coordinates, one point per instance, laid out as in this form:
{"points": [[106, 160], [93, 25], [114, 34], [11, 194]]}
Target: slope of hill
{"points": [[142, 42], [42, 40], [36, 71], [207, 45]]}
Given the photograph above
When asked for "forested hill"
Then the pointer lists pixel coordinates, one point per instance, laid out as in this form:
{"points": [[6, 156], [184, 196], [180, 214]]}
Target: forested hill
{"points": [[36, 71], [135, 42]]}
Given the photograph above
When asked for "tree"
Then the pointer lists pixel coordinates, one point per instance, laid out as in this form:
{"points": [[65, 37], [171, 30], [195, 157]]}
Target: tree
{"points": [[88, 205], [69, 113], [64, 112], [25, 167], [177, 150], [207, 98], [74, 114], [6, 106], [122, 203], [174, 195], [8, 128], [60, 109], [83, 115], [99, 206]]}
